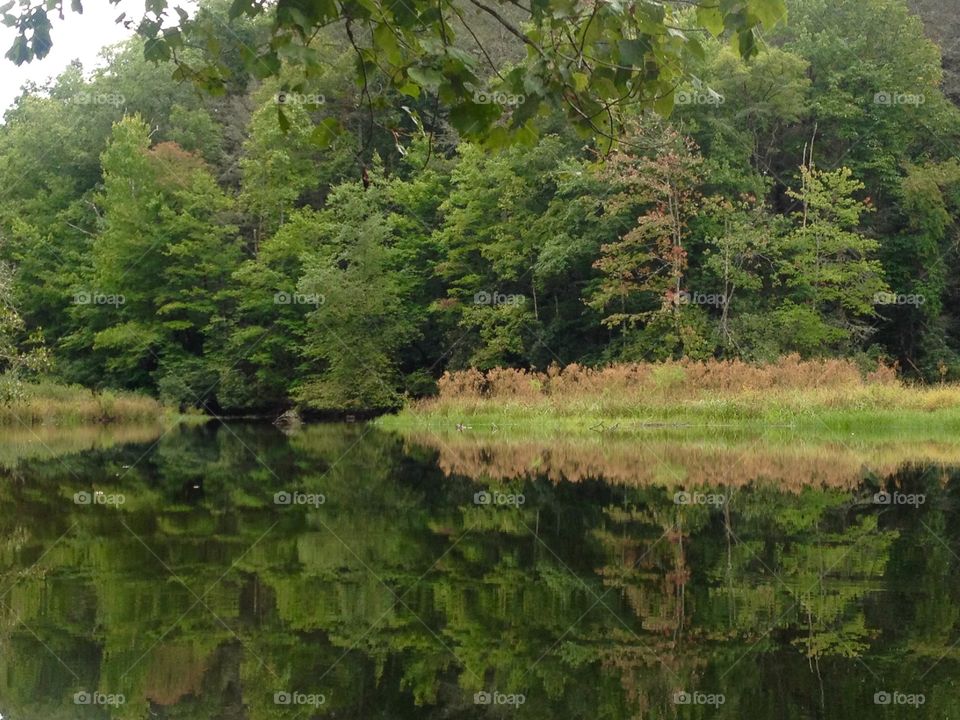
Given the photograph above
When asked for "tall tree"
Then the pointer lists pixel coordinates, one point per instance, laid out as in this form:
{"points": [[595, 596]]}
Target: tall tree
{"points": [[829, 266], [163, 256], [643, 272], [360, 320], [15, 359]]}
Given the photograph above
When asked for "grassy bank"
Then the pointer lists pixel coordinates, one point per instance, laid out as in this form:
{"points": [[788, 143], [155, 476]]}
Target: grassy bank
{"points": [[828, 396], [49, 403]]}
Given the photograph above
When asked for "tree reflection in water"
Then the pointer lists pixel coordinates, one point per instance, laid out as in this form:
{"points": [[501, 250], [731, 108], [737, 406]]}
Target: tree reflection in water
{"points": [[599, 579]]}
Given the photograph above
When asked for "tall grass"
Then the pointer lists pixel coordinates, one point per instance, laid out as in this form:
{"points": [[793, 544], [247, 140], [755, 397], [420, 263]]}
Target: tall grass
{"points": [[681, 392], [46, 403]]}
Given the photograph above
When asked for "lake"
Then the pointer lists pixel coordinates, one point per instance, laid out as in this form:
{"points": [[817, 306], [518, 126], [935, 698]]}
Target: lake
{"points": [[231, 571]]}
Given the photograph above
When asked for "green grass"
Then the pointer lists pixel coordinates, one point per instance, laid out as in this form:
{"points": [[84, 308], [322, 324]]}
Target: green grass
{"points": [[866, 410]]}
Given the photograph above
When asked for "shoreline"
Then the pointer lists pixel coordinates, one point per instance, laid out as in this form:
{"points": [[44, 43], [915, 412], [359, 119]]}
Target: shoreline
{"points": [[881, 410], [832, 396], [937, 424]]}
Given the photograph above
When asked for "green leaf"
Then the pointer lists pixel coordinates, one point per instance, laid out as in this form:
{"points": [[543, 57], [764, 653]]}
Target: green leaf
{"points": [[156, 50], [265, 65], [41, 41], [326, 131], [696, 49], [173, 37], [632, 52], [473, 119], [240, 7], [744, 42], [710, 18], [663, 105], [498, 138], [385, 42], [533, 84], [427, 78], [561, 9], [768, 12], [19, 52]]}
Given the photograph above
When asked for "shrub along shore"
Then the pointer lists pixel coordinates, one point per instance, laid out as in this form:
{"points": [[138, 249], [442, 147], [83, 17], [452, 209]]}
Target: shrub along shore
{"points": [[815, 395]]}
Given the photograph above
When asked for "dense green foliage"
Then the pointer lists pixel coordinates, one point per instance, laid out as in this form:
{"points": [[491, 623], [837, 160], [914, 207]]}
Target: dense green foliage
{"points": [[590, 60], [801, 200]]}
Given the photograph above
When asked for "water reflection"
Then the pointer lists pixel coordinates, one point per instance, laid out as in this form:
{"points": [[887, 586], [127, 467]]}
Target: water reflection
{"points": [[181, 588], [22, 442], [674, 457]]}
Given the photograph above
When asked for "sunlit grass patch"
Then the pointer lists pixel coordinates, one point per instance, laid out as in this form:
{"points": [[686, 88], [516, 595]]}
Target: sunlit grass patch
{"points": [[52, 403], [793, 392]]}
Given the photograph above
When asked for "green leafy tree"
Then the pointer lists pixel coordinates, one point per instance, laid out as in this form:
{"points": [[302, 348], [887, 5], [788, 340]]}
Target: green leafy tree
{"points": [[161, 260], [264, 345], [747, 116], [740, 259], [362, 321], [15, 360], [277, 164], [829, 266], [491, 244], [919, 259]]}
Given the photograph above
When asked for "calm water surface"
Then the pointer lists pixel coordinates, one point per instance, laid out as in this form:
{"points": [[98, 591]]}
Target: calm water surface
{"points": [[236, 572]]}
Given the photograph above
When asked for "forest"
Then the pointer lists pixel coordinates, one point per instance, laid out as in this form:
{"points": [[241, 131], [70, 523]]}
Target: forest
{"points": [[335, 244]]}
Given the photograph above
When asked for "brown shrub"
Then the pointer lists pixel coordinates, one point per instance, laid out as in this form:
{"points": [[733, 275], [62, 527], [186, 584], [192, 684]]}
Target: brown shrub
{"points": [[680, 378]]}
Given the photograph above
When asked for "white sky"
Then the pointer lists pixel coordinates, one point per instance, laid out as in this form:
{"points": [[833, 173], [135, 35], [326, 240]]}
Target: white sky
{"points": [[78, 37]]}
